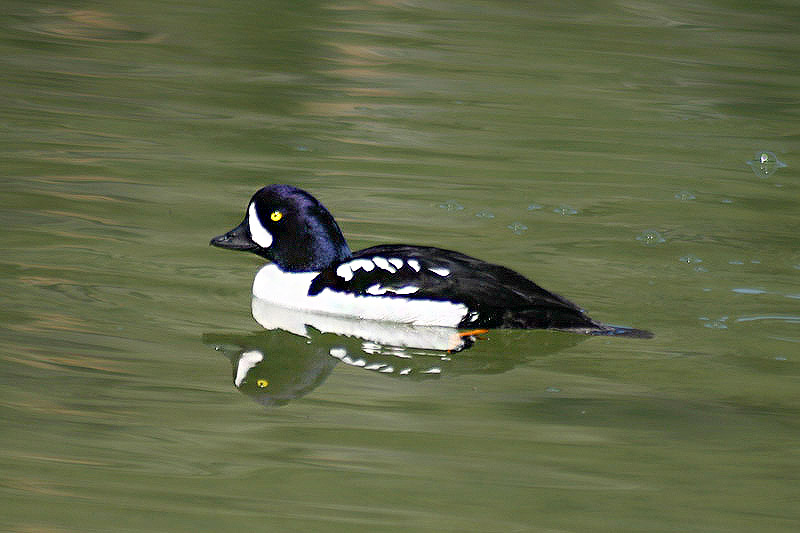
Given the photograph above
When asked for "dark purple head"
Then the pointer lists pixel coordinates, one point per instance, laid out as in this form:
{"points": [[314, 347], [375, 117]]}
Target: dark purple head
{"points": [[289, 227]]}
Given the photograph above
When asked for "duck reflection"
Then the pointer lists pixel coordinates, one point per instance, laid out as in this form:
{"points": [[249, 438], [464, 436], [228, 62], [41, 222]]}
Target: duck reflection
{"points": [[298, 350]]}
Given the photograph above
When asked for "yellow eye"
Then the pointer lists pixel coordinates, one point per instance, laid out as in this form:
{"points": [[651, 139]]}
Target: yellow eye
{"points": [[276, 216], [262, 383]]}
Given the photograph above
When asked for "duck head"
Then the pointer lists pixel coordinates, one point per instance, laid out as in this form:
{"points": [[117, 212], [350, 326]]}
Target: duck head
{"points": [[289, 227]]}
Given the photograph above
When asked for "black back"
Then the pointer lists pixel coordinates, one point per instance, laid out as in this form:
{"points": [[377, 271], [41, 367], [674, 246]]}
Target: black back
{"points": [[500, 297]]}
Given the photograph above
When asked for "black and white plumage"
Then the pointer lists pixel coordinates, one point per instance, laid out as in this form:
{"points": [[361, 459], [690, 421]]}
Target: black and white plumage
{"points": [[313, 269]]}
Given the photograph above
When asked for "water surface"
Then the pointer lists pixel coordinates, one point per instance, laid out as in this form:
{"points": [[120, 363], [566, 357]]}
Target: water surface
{"points": [[601, 150]]}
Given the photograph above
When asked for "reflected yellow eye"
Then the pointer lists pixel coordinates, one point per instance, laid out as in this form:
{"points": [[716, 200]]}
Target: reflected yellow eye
{"points": [[276, 216], [262, 383]]}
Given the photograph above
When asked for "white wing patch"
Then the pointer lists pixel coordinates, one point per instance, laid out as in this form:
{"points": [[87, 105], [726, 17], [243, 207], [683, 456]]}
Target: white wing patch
{"points": [[366, 264], [406, 289], [440, 271], [290, 289], [382, 263], [397, 263], [258, 232], [377, 290], [346, 270], [413, 263]]}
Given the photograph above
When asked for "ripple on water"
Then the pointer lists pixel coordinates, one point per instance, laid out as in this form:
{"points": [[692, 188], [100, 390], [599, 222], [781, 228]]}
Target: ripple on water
{"points": [[517, 228], [651, 237], [715, 323], [765, 163], [565, 210], [791, 319], [692, 259], [484, 214], [87, 25], [451, 205], [748, 290], [685, 195]]}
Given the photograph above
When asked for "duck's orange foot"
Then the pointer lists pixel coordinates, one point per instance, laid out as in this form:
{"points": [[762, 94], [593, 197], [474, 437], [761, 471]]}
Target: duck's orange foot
{"points": [[465, 339], [472, 332]]}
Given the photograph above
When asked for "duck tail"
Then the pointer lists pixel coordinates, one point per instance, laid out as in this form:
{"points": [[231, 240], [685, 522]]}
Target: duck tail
{"points": [[621, 331]]}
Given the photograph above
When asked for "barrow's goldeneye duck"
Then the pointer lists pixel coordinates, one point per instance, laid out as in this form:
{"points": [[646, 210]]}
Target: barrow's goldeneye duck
{"points": [[313, 269]]}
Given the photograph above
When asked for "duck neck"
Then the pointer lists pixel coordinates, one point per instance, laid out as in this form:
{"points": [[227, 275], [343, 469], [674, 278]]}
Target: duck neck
{"points": [[317, 246]]}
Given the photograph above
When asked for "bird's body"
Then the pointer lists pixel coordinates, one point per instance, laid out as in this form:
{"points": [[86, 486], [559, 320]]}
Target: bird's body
{"points": [[313, 269]]}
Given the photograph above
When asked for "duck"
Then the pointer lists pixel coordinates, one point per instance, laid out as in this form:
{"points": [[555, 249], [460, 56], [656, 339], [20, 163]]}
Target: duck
{"points": [[311, 268]]}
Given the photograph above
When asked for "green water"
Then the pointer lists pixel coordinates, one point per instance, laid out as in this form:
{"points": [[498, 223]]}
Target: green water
{"points": [[597, 148]]}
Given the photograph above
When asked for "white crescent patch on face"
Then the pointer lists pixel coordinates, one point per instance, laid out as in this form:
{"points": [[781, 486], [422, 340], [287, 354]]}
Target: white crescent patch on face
{"points": [[258, 232]]}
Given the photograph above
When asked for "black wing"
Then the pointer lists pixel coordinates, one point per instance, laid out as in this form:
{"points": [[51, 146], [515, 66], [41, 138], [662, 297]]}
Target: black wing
{"points": [[496, 296]]}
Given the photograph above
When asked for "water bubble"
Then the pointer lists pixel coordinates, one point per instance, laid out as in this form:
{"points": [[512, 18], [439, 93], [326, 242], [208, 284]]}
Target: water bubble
{"points": [[517, 227], [565, 210], [651, 237], [685, 195], [534, 207], [484, 214], [765, 164], [451, 205], [690, 259]]}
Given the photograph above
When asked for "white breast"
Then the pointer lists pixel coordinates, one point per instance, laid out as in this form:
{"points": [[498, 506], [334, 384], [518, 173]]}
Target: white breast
{"points": [[290, 289]]}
